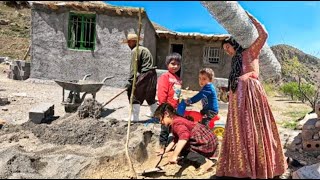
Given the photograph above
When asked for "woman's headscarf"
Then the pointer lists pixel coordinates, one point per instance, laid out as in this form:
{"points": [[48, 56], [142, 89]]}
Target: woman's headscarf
{"points": [[236, 64]]}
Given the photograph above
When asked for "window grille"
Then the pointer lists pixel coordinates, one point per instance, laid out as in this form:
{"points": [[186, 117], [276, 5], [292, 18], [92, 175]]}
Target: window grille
{"points": [[211, 55], [82, 31]]}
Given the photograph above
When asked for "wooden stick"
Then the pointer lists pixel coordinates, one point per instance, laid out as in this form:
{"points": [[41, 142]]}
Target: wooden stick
{"points": [[132, 172], [114, 97], [26, 55]]}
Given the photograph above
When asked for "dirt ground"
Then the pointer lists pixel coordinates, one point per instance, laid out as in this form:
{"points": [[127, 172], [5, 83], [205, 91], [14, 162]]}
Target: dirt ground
{"points": [[70, 147]]}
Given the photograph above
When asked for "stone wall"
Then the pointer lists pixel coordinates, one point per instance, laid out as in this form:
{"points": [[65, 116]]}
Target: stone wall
{"points": [[52, 59], [192, 60]]}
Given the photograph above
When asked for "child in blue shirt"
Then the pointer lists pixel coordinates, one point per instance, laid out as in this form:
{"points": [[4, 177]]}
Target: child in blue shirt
{"points": [[207, 95]]}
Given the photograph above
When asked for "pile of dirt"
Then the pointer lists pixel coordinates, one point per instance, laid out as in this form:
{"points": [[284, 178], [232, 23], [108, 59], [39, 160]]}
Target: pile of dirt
{"points": [[74, 131], [70, 147]]}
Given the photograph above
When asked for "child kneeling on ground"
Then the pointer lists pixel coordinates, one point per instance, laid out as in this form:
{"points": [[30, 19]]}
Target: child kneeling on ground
{"points": [[192, 140]]}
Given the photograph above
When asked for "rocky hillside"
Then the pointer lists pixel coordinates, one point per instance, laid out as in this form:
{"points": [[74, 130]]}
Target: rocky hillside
{"points": [[14, 29], [284, 52]]}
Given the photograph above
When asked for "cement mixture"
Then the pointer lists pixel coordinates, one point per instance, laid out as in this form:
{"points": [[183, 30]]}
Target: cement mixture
{"points": [[68, 147]]}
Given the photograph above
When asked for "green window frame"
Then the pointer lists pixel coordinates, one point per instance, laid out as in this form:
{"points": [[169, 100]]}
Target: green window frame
{"points": [[82, 31]]}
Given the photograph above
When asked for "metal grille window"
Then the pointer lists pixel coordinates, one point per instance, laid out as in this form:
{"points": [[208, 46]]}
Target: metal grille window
{"points": [[211, 55], [82, 31]]}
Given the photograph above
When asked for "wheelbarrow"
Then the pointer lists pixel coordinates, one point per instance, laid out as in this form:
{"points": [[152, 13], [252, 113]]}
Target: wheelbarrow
{"points": [[76, 87]]}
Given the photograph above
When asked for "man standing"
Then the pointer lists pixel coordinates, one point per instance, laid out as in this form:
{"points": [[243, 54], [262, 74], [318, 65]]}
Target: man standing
{"points": [[146, 83]]}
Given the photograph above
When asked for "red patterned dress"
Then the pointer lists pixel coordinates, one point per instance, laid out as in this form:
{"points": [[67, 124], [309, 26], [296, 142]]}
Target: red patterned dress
{"points": [[251, 146], [200, 139]]}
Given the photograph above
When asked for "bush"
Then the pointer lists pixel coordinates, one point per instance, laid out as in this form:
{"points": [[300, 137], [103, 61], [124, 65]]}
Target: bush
{"points": [[292, 89]]}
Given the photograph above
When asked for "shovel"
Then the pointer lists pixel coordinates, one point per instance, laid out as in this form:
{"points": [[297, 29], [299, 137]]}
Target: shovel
{"points": [[114, 97], [157, 169]]}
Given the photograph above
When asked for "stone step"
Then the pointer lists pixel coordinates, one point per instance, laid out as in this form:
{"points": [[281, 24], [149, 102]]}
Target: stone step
{"points": [[41, 112]]}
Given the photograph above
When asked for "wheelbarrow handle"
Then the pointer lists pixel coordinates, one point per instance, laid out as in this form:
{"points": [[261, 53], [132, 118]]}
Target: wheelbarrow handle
{"points": [[106, 78], [85, 77]]}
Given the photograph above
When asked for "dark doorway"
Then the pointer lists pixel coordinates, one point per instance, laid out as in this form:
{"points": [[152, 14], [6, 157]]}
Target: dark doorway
{"points": [[177, 48]]}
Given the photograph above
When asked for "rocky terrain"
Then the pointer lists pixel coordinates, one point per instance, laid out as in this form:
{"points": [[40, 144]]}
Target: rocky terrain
{"points": [[70, 147], [311, 63]]}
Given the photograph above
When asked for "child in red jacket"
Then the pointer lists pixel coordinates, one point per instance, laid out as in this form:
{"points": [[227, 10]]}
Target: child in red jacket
{"points": [[169, 91], [169, 83]]}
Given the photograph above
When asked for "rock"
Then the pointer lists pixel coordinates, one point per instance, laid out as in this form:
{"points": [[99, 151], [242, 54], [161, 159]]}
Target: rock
{"points": [[299, 146], [4, 109], [316, 137], [299, 127], [2, 122], [307, 172], [297, 140], [317, 109], [307, 117], [307, 134], [310, 124], [304, 163], [317, 125], [4, 101], [318, 157], [4, 22], [291, 147], [13, 24], [300, 150], [19, 94]]}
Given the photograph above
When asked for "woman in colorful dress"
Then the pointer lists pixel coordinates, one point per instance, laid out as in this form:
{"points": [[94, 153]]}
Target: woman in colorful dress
{"points": [[251, 146]]}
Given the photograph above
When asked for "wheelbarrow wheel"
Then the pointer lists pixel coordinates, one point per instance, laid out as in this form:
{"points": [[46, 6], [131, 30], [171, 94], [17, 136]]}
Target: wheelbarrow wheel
{"points": [[218, 131], [70, 109]]}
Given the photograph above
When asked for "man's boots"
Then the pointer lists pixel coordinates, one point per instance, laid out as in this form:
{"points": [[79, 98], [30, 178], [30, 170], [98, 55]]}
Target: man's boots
{"points": [[153, 108], [135, 112]]}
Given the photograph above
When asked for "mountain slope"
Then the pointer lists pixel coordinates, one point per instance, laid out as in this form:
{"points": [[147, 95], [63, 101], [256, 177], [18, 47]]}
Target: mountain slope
{"points": [[285, 52]]}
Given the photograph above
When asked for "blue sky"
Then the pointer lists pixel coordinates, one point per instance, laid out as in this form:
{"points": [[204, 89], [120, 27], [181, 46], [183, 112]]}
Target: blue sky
{"points": [[296, 23]]}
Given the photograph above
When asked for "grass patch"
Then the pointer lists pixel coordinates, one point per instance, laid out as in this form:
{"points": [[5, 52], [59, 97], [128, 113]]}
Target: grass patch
{"points": [[295, 115], [270, 89], [289, 124]]}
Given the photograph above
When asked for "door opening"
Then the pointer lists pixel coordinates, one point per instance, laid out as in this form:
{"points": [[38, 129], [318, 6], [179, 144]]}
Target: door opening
{"points": [[177, 48]]}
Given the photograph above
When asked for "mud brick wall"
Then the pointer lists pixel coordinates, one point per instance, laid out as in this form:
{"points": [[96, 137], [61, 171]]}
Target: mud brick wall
{"points": [[19, 70]]}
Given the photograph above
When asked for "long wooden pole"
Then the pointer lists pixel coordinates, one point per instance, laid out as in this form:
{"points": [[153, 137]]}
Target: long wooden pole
{"points": [[26, 54], [132, 173]]}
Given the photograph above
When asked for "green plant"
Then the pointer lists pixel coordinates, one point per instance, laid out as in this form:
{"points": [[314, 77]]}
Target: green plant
{"points": [[289, 124], [290, 89], [270, 88], [296, 115]]}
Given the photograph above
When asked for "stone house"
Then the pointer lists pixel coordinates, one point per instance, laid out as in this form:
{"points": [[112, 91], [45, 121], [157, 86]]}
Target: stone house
{"points": [[197, 50], [72, 39]]}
